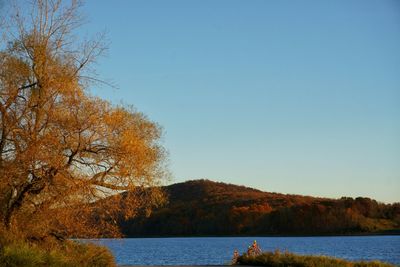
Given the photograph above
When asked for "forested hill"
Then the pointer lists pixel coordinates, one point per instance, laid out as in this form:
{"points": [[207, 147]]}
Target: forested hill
{"points": [[203, 207]]}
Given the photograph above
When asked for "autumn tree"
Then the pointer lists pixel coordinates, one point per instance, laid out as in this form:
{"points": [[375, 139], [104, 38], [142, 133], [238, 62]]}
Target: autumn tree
{"points": [[62, 150]]}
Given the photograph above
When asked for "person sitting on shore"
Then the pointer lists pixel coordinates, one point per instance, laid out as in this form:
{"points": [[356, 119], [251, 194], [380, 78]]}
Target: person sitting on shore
{"points": [[256, 249], [250, 251], [235, 256]]}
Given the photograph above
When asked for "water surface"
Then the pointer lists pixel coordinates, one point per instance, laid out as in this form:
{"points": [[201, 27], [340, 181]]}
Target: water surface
{"points": [[219, 250]]}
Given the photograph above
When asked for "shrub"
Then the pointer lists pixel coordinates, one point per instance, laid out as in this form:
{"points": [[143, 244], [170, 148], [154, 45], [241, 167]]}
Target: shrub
{"points": [[89, 255], [68, 254]]}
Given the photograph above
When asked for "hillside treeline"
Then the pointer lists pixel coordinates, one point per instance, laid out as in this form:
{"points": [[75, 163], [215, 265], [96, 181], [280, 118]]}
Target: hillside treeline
{"points": [[203, 207]]}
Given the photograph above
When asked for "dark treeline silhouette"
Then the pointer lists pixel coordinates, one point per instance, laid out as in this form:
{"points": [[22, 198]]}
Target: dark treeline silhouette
{"points": [[203, 207]]}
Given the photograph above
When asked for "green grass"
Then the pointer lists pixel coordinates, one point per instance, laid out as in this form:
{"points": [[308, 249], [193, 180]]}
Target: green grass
{"points": [[69, 254], [286, 259]]}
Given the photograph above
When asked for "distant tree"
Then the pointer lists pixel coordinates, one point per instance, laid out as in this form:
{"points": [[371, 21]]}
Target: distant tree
{"points": [[62, 149]]}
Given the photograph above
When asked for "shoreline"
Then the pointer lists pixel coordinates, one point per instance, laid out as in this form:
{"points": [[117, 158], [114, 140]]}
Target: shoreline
{"points": [[180, 265], [395, 233]]}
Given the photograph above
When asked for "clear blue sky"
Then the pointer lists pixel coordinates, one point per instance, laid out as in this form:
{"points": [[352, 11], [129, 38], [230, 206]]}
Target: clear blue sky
{"points": [[288, 96]]}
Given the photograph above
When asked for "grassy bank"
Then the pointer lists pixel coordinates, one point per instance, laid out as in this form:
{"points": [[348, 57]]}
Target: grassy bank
{"points": [[69, 253], [286, 259]]}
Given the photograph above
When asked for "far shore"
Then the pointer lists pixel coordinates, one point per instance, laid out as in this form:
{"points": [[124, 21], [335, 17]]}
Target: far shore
{"points": [[387, 233]]}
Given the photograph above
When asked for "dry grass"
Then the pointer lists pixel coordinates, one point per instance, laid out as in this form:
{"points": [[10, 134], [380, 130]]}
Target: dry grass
{"points": [[68, 253], [286, 259]]}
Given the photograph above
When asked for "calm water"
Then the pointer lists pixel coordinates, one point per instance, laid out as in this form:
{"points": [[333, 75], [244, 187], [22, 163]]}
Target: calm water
{"points": [[219, 250]]}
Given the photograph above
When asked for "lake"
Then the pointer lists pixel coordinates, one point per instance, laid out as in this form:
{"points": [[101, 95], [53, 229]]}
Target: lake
{"points": [[219, 250]]}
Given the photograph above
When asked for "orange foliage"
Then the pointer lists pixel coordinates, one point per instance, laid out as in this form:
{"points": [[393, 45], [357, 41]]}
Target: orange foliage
{"points": [[62, 149]]}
